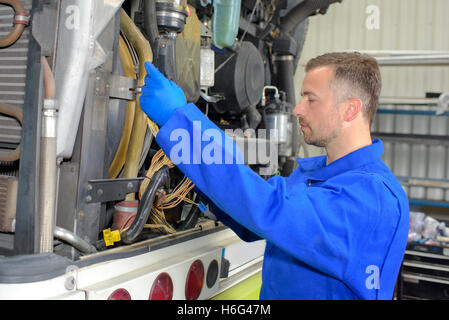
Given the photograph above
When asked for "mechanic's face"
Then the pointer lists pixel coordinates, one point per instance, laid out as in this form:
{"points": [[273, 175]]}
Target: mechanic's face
{"points": [[317, 113]]}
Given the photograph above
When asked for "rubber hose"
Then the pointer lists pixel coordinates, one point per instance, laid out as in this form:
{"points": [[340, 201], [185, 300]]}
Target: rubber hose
{"points": [[301, 12], [285, 72], [150, 21], [120, 156], [192, 217], [143, 211], [19, 25], [144, 52]]}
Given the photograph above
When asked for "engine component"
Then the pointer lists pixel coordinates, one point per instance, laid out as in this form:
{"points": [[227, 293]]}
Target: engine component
{"points": [[8, 200], [165, 55], [20, 20], [47, 179], [124, 214], [143, 212], [82, 53], [242, 79], [277, 113], [225, 22], [171, 18], [302, 11], [207, 58], [188, 44], [74, 240], [13, 62], [171, 14]]}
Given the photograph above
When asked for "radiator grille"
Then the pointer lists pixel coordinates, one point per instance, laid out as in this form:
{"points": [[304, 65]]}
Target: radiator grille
{"points": [[13, 64]]}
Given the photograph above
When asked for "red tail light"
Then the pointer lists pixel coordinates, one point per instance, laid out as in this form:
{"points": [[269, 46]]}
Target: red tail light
{"points": [[162, 288], [120, 294], [195, 279]]}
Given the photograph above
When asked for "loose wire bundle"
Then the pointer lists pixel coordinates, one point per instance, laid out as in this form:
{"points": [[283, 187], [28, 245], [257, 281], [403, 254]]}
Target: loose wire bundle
{"points": [[167, 201]]}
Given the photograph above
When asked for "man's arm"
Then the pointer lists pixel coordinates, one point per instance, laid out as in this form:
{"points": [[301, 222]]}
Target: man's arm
{"points": [[323, 227], [241, 231]]}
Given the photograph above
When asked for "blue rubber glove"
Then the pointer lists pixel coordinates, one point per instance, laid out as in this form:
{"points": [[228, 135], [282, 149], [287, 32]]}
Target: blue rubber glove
{"points": [[160, 97]]}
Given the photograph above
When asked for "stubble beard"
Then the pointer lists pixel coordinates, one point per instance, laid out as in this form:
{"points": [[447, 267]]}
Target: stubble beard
{"points": [[318, 138]]}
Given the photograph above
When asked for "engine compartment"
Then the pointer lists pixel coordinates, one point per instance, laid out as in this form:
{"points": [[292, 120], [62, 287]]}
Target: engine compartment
{"points": [[90, 176]]}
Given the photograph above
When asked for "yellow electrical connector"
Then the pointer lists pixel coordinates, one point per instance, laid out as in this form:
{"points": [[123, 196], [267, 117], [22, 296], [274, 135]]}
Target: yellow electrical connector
{"points": [[110, 237]]}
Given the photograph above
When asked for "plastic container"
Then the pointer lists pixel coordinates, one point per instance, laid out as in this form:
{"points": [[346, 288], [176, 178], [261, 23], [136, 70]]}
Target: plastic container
{"points": [[225, 22]]}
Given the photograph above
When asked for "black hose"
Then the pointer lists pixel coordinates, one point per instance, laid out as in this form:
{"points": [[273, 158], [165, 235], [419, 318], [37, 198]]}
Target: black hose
{"points": [[192, 217], [253, 116], [285, 83], [302, 11], [143, 211], [150, 22]]}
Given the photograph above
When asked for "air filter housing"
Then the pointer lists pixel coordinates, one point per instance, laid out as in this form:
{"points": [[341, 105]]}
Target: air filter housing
{"points": [[240, 80]]}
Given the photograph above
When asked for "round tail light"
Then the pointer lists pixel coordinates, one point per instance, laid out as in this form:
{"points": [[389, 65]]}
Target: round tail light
{"points": [[162, 288], [212, 274], [120, 294], [195, 279]]}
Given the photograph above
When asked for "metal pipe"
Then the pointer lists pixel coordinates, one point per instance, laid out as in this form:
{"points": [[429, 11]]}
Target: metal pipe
{"points": [[434, 59], [408, 101], [426, 139], [413, 112], [378, 53], [430, 203], [47, 174], [20, 20], [74, 240], [424, 182]]}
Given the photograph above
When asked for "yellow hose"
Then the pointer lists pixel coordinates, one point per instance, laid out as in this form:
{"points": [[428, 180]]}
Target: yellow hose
{"points": [[144, 52], [120, 156]]}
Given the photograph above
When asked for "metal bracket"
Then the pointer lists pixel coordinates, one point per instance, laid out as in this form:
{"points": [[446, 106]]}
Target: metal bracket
{"points": [[102, 190], [122, 87]]}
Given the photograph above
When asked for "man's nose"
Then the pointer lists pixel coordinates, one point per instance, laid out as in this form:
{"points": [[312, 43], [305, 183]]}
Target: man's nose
{"points": [[298, 111]]}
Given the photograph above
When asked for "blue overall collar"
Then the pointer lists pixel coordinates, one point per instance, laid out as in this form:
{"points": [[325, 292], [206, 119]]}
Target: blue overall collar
{"points": [[315, 167]]}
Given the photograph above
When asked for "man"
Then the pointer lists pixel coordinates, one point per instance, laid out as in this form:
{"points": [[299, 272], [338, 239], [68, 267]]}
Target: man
{"points": [[337, 227]]}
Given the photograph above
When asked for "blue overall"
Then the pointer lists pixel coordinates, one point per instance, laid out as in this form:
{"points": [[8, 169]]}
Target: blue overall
{"points": [[336, 231]]}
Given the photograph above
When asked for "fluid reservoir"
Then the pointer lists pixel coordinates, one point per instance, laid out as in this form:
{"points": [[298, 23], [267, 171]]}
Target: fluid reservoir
{"points": [[225, 22], [277, 115]]}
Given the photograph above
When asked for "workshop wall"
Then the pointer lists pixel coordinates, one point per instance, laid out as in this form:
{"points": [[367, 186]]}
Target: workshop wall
{"points": [[412, 25]]}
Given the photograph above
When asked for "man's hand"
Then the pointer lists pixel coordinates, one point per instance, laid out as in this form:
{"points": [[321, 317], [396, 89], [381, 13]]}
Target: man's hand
{"points": [[160, 97]]}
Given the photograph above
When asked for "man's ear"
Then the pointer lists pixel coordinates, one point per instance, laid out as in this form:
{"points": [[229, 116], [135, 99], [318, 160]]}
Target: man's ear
{"points": [[353, 109]]}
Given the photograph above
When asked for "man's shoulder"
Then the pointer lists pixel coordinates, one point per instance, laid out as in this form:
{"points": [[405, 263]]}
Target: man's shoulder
{"points": [[373, 175]]}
